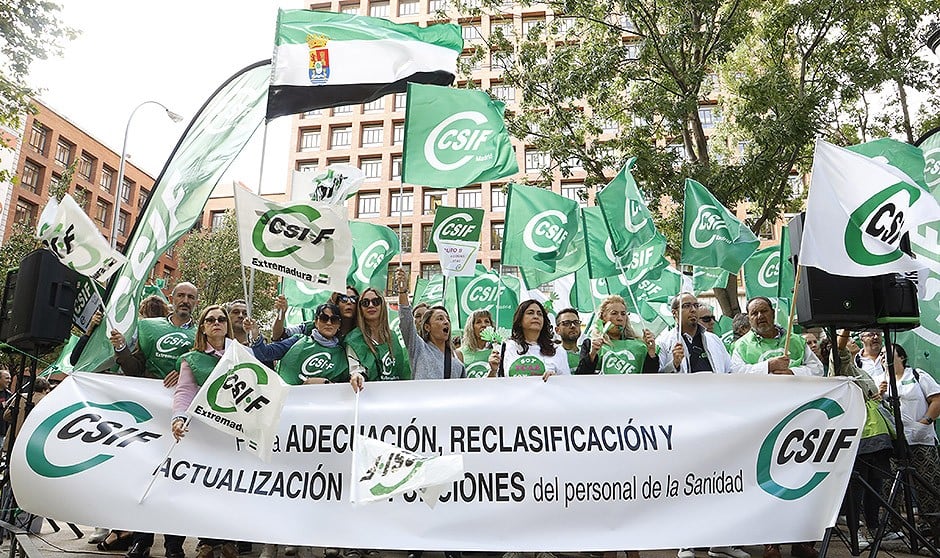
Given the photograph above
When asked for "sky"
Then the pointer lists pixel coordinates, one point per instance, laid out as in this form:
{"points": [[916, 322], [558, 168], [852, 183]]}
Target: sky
{"points": [[172, 51]]}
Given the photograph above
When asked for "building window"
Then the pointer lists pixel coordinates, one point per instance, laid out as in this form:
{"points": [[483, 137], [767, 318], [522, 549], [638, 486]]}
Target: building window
{"points": [[503, 60], [107, 179], [398, 134], [126, 188], [532, 26], [632, 51], [429, 270], [401, 101], [344, 109], [341, 137], [504, 27], [309, 140], [86, 166], [402, 203], [707, 116], [496, 236], [377, 105], [30, 178], [379, 9], [63, 153], [305, 166], [368, 205], [437, 5], [574, 162], [25, 213], [469, 198], [432, 199], [796, 184], [349, 9], [573, 193], [101, 213], [470, 32], [142, 198], [217, 220], [470, 61], [536, 160], [610, 126], [37, 138], [372, 136], [405, 238], [122, 223], [371, 168], [425, 236], [409, 7], [396, 167], [312, 113], [503, 92], [565, 25], [497, 199]]}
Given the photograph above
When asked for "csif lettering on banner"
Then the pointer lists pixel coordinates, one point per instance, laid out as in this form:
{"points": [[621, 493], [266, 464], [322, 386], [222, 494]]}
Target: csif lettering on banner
{"points": [[66, 230], [306, 241], [383, 470], [539, 475], [455, 236], [242, 398]]}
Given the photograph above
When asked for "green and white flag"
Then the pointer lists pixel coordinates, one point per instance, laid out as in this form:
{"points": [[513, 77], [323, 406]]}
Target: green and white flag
{"points": [[373, 247], [711, 235], [243, 398], [455, 236], [787, 271], [628, 220], [382, 470], [454, 137], [69, 233], [430, 292], [638, 262], [540, 225], [464, 295], [300, 295], [705, 279], [573, 260], [307, 241], [326, 59], [762, 273], [860, 213]]}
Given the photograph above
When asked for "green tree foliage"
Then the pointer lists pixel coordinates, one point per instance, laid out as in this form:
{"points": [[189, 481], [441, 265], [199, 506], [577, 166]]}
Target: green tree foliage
{"points": [[210, 260]]}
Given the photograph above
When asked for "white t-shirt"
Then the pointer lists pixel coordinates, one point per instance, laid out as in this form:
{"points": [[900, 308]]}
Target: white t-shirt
{"points": [[914, 405], [533, 362]]}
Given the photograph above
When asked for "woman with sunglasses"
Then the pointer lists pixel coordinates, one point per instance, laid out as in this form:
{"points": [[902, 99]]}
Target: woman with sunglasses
{"points": [[348, 304], [374, 351], [613, 347], [474, 352], [318, 358]]}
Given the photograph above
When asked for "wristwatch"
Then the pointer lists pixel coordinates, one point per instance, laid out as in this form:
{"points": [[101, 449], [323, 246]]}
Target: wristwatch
{"points": [[929, 420]]}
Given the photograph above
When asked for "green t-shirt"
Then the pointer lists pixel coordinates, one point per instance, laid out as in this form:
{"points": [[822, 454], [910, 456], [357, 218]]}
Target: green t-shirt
{"points": [[162, 343], [308, 359], [574, 358], [476, 363], [384, 364], [622, 357], [202, 364], [753, 348]]}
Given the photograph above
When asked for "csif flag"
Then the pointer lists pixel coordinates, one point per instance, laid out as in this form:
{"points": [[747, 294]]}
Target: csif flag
{"points": [[762, 273], [307, 241], [860, 213], [711, 235], [486, 290], [382, 470], [628, 220], [242, 397], [66, 230], [540, 225], [373, 247], [454, 137], [455, 236], [637, 262], [325, 59]]}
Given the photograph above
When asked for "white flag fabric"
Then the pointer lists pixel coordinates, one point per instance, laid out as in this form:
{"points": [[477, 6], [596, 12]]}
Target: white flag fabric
{"points": [[382, 470], [333, 184], [859, 213], [244, 398], [304, 240], [74, 238]]}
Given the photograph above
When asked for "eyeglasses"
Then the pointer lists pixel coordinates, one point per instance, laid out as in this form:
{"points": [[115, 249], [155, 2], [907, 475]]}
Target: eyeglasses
{"points": [[706, 319], [367, 302], [569, 323], [213, 319], [690, 305], [348, 299], [328, 318]]}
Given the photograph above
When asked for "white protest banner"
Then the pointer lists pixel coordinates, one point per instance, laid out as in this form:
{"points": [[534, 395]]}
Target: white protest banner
{"points": [[242, 398], [307, 241], [69, 232], [578, 463], [384, 470]]}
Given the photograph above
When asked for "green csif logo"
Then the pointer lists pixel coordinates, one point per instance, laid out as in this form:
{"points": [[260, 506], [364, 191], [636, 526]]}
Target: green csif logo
{"points": [[102, 424], [238, 389], [458, 140], [812, 446], [707, 227], [283, 227], [880, 220]]}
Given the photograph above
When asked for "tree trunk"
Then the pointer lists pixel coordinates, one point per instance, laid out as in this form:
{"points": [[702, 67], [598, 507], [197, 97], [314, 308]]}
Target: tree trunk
{"points": [[905, 112], [728, 297]]}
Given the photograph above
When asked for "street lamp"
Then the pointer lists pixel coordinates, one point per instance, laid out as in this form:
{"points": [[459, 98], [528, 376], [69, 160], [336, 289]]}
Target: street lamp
{"points": [[120, 181]]}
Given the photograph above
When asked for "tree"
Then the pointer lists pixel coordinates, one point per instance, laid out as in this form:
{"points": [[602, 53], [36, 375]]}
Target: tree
{"points": [[31, 30], [210, 260]]}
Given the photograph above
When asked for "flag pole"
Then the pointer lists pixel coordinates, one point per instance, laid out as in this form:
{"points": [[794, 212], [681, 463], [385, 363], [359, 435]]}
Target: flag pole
{"points": [[251, 282], [352, 477], [153, 477], [107, 313], [796, 282], [401, 202]]}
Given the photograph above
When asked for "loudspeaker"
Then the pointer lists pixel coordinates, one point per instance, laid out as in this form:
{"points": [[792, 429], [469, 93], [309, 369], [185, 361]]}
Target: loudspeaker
{"points": [[824, 299], [38, 300]]}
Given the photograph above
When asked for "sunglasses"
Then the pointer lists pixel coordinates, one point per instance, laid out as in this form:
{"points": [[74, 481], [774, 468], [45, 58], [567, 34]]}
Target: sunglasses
{"points": [[569, 323], [327, 318], [367, 302], [348, 299], [213, 319], [707, 319]]}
